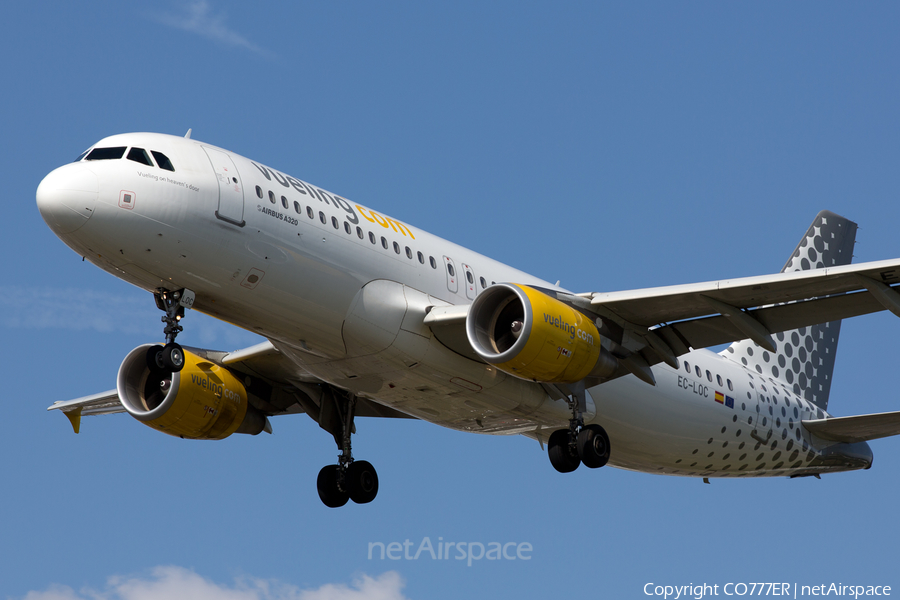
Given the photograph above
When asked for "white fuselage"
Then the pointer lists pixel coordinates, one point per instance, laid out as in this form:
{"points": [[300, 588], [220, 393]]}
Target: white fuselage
{"points": [[342, 290]]}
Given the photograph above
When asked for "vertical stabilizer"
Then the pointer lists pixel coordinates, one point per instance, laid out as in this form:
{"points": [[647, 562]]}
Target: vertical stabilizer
{"points": [[805, 357]]}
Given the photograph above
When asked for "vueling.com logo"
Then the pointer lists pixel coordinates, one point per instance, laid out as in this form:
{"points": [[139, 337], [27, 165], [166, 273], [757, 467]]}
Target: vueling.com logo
{"points": [[572, 330]]}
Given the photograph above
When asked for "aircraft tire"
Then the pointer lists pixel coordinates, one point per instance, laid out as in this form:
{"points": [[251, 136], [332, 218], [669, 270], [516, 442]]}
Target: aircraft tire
{"points": [[361, 482], [154, 360], [561, 456], [172, 357], [593, 446], [326, 485]]}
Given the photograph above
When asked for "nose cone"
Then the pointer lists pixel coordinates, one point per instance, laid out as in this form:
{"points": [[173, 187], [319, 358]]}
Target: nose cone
{"points": [[67, 197]]}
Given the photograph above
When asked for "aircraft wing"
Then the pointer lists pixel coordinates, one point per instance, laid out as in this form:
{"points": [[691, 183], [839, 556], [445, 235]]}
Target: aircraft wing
{"points": [[104, 403], [860, 428], [292, 389], [651, 306], [655, 325], [707, 314]]}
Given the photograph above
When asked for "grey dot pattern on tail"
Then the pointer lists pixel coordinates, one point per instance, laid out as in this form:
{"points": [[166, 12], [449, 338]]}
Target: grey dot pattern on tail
{"points": [[804, 357]]}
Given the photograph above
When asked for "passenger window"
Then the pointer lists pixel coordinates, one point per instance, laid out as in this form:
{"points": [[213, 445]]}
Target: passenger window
{"points": [[697, 371], [271, 196], [106, 153], [719, 379], [421, 257], [396, 247], [334, 223], [433, 262], [709, 376], [284, 202], [687, 366], [359, 232], [296, 207], [371, 237], [323, 218], [451, 270], [408, 253], [384, 243], [259, 191], [310, 213], [483, 283], [469, 277], [139, 155], [347, 227], [162, 160], [730, 387]]}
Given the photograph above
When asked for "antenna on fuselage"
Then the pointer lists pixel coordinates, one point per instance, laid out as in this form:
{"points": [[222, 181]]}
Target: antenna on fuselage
{"points": [[187, 136]]}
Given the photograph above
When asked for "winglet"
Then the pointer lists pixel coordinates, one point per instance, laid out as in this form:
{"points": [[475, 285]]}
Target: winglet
{"points": [[74, 417], [187, 136]]}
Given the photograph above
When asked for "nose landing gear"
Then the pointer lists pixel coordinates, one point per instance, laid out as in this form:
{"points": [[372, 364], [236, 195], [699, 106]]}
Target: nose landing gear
{"points": [[170, 358]]}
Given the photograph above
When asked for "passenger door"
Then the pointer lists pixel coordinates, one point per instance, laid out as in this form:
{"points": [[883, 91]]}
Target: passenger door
{"points": [[231, 191]]}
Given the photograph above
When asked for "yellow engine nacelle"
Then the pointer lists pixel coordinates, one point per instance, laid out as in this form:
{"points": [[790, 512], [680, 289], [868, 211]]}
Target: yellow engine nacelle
{"points": [[526, 333], [203, 401]]}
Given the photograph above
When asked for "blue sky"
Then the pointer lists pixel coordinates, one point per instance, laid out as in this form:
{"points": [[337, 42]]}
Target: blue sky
{"points": [[610, 146]]}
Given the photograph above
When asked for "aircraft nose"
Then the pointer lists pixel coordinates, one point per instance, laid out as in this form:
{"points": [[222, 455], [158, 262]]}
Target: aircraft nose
{"points": [[67, 197]]}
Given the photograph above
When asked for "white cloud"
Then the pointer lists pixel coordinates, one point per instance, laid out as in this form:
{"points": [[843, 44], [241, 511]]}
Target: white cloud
{"points": [[198, 18], [175, 583]]}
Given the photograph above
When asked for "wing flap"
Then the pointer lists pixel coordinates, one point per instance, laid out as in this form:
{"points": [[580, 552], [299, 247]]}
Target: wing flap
{"points": [[859, 428], [711, 331]]}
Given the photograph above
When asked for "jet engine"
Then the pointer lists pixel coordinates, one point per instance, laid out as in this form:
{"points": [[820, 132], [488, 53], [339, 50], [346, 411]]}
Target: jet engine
{"points": [[202, 401], [528, 334]]}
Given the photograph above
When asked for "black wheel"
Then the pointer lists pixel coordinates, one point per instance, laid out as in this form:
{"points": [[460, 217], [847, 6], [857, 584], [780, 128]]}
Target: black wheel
{"points": [[361, 482], [327, 486], [172, 356], [593, 446], [154, 360], [561, 456]]}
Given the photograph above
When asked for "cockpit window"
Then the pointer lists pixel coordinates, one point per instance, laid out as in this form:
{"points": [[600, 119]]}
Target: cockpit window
{"points": [[106, 153], [162, 160], [82, 155], [140, 155]]}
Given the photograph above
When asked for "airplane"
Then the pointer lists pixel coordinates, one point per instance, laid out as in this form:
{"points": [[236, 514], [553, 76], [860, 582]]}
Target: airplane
{"points": [[368, 316]]}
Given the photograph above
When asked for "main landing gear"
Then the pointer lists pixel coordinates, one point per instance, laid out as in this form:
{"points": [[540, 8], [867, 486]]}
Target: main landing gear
{"points": [[349, 479], [580, 443], [170, 358]]}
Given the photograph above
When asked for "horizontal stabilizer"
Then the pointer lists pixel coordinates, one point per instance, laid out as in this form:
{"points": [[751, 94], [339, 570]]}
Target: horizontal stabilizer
{"points": [[859, 428]]}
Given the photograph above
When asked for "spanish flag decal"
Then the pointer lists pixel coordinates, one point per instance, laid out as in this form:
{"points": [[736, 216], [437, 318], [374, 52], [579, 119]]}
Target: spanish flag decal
{"points": [[720, 397]]}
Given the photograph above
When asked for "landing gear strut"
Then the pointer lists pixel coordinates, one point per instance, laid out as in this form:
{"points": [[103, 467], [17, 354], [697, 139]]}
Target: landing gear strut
{"points": [[580, 443], [349, 479], [170, 358]]}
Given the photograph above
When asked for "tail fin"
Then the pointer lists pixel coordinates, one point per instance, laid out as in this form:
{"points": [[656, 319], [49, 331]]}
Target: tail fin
{"points": [[805, 357]]}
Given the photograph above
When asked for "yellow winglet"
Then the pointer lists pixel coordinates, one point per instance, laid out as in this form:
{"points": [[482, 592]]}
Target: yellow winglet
{"points": [[74, 417]]}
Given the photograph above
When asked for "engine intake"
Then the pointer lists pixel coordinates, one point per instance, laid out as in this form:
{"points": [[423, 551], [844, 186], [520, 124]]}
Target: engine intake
{"points": [[526, 333], [202, 401]]}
